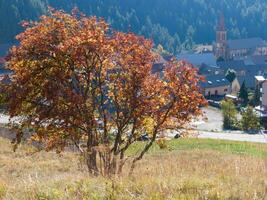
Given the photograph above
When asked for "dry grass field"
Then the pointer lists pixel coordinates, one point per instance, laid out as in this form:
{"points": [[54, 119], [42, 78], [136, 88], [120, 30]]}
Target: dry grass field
{"points": [[189, 169]]}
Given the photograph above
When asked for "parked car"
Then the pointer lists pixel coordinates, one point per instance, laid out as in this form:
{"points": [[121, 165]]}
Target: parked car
{"points": [[177, 136], [213, 103], [144, 137]]}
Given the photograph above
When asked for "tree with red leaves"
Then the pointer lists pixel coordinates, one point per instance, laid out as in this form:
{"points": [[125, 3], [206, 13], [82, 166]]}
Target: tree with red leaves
{"points": [[77, 82]]}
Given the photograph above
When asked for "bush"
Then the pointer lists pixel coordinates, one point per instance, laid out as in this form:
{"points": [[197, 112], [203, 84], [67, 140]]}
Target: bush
{"points": [[229, 115], [250, 121], [162, 143]]}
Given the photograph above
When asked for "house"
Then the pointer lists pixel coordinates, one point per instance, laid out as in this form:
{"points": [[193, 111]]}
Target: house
{"points": [[261, 81], [235, 87], [242, 48], [215, 85], [238, 49], [200, 49]]}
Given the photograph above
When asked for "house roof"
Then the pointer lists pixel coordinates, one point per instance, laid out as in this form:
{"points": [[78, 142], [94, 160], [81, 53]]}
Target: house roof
{"points": [[199, 59], [259, 59], [260, 78], [215, 81], [248, 43], [232, 64], [206, 69], [239, 65]]}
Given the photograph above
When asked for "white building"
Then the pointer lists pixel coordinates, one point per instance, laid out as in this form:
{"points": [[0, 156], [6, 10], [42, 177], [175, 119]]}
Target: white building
{"points": [[261, 81]]}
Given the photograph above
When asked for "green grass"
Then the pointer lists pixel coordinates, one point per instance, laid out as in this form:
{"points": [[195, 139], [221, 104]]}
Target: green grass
{"points": [[244, 148]]}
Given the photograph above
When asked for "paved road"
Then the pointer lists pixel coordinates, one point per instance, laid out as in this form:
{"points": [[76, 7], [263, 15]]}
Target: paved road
{"points": [[233, 135], [211, 127], [261, 138], [212, 120]]}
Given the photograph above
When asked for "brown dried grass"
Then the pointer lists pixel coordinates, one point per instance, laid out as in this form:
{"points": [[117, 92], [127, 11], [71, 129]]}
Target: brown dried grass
{"points": [[183, 174]]}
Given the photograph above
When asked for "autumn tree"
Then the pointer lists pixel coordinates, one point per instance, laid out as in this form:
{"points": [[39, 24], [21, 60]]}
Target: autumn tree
{"points": [[77, 82]]}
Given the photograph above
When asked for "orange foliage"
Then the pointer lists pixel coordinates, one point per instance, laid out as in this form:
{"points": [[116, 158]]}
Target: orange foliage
{"points": [[78, 82]]}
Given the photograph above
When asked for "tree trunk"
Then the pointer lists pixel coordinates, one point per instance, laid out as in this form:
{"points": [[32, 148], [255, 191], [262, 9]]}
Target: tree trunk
{"points": [[91, 161], [91, 157]]}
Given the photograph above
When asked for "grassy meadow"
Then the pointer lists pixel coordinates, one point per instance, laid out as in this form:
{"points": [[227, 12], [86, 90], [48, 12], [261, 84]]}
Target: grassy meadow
{"points": [[187, 169]]}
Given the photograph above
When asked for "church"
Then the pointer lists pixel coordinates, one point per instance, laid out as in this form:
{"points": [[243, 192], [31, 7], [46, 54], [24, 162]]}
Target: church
{"points": [[238, 49]]}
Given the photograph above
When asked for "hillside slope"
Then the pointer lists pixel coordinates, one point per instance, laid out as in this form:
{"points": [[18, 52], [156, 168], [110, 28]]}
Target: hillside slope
{"points": [[194, 169], [174, 23]]}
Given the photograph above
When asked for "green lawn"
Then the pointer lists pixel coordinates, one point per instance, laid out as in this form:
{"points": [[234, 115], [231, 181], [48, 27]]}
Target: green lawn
{"points": [[233, 147]]}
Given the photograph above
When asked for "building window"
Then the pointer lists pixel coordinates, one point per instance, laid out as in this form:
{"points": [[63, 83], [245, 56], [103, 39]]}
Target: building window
{"points": [[225, 90]]}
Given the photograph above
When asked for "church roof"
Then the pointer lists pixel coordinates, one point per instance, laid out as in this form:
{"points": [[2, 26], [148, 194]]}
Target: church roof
{"points": [[248, 43], [199, 59]]}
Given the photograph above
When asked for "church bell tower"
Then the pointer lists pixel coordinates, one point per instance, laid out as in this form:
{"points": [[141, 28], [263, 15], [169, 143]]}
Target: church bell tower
{"points": [[221, 39]]}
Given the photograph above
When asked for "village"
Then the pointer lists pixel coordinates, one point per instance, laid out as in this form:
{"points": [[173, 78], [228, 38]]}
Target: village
{"points": [[229, 64], [230, 67], [234, 70]]}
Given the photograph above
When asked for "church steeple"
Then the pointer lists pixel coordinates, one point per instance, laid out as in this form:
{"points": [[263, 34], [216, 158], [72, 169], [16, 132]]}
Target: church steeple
{"points": [[221, 24], [221, 33], [221, 39]]}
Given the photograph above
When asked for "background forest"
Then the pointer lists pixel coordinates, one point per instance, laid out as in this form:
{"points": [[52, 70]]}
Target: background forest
{"points": [[176, 24]]}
